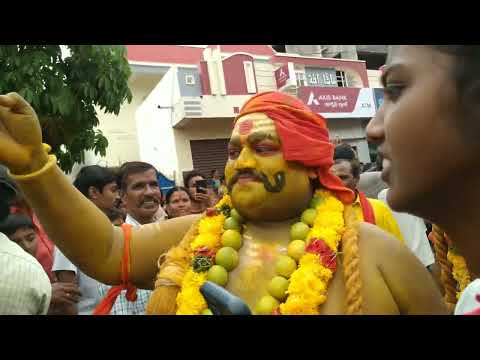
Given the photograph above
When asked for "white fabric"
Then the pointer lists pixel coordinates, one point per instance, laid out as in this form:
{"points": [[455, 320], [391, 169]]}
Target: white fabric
{"points": [[414, 232], [88, 286], [24, 286], [467, 301], [371, 183], [130, 220]]}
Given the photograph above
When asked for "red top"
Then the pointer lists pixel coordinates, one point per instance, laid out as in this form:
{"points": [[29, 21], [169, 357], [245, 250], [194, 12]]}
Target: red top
{"points": [[45, 246]]}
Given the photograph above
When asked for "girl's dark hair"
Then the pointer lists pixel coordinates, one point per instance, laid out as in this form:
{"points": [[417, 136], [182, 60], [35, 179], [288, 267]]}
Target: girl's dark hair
{"points": [[175, 189], [467, 77]]}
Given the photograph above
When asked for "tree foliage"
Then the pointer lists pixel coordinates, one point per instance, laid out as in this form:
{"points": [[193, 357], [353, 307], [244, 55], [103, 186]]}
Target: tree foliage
{"points": [[65, 91]]}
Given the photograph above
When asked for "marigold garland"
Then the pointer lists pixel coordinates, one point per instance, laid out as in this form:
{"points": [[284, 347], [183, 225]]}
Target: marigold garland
{"points": [[460, 271], [308, 284]]}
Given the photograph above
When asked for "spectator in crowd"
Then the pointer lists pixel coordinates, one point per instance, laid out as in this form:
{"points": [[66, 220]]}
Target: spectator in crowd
{"points": [[202, 197], [18, 205], [178, 202], [347, 167], [215, 175], [115, 216], [20, 230], [223, 187], [24, 287], [427, 130], [140, 192], [99, 185], [141, 196]]}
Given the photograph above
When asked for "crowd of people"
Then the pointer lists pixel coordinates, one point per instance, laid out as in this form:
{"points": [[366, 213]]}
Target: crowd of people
{"points": [[128, 194], [293, 217]]}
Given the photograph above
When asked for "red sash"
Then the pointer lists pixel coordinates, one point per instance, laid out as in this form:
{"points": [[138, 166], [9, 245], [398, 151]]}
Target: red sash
{"points": [[367, 209], [105, 306]]}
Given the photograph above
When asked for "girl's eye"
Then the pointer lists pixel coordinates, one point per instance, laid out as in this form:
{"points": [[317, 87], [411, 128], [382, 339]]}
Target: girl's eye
{"points": [[393, 91]]}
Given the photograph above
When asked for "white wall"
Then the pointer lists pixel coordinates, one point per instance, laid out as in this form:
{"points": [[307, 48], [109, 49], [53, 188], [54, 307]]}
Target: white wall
{"points": [[265, 74], [198, 129], [121, 129], [154, 126], [374, 78]]}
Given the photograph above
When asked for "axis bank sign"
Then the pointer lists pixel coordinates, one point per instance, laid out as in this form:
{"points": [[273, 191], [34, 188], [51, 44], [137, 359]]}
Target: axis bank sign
{"points": [[340, 102]]}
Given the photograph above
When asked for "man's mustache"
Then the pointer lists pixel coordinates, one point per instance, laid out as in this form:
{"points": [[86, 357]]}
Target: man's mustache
{"points": [[279, 179]]}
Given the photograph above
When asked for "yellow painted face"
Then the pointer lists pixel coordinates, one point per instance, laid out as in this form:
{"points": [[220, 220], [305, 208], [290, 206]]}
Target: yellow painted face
{"points": [[263, 186]]}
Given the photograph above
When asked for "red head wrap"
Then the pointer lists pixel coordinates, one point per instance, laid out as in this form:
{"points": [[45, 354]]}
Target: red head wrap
{"points": [[304, 136]]}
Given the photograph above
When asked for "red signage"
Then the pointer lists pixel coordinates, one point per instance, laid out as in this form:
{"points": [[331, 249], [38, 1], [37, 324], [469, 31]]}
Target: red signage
{"points": [[328, 99], [281, 76]]}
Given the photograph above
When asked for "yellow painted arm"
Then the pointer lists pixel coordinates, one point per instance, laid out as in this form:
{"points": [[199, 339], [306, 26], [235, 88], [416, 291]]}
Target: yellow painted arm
{"points": [[85, 235]]}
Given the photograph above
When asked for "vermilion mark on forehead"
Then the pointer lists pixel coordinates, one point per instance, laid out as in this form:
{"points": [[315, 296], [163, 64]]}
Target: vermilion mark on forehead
{"points": [[245, 127]]}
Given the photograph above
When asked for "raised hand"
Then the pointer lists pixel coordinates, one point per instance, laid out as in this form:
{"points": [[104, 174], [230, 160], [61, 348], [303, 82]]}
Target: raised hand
{"points": [[21, 147]]}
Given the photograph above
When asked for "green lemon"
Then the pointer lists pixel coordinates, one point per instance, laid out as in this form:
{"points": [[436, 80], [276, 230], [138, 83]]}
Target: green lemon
{"points": [[234, 214], [315, 202], [207, 312], [266, 305], [278, 287], [232, 238], [285, 266], [231, 224], [299, 231], [308, 216], [227, 257], [218, 274], [296, 249]]}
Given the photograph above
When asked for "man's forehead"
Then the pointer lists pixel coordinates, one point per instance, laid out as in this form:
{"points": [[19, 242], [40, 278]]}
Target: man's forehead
{"points": [[148, 175], [251, 123]]}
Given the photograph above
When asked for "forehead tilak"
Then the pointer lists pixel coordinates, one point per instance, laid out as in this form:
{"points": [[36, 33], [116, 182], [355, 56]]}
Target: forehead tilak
{"points": [[247, 126]]}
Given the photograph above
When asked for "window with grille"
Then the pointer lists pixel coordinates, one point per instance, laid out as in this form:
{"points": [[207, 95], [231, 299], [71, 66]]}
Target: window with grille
{"points": [[250, 77], [342, 79], [300, 75]]}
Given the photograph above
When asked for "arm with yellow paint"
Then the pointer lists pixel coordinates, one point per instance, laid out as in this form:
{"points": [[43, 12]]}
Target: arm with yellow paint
{"points": [[81, 231], [384, 219]]}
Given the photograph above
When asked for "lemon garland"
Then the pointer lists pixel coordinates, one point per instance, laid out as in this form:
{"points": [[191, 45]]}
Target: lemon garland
{"points": [[303, 276], [460, 271]]}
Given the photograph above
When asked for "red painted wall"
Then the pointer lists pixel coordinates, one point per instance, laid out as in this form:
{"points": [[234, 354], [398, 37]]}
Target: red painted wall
{"points": [[251, 49], [204, 80], [235, 82], [187, 55], [165, 54], [358, 67]]}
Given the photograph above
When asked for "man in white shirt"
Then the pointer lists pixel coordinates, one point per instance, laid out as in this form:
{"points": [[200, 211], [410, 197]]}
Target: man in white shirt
{"points": [[24, 286], [99, 185], [414, 232], [141, 197]]}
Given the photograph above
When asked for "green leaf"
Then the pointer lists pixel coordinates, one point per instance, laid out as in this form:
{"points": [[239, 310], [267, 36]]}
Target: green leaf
{"points": [[68, 90]]}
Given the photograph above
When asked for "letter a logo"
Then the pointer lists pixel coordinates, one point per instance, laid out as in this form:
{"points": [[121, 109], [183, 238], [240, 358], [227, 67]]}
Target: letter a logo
{"points": [[312, 100]]}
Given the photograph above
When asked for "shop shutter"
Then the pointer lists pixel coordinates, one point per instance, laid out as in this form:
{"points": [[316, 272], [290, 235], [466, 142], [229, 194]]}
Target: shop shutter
{"points": [[208, 155]]}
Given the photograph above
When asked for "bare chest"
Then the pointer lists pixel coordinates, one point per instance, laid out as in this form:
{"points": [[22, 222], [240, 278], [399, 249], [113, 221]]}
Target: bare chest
{"points": [[258, 256]]}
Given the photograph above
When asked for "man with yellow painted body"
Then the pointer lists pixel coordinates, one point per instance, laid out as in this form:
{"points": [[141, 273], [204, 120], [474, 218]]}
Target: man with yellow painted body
{"points": [[267, 188]]}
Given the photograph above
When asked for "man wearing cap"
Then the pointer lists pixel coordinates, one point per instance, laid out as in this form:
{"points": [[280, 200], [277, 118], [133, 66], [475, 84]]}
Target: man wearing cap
{"points": [[279, 160], [24, 287]]}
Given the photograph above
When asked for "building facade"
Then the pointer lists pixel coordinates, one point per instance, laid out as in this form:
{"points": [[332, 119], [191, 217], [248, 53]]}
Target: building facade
{"points": [[186, 96]]}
